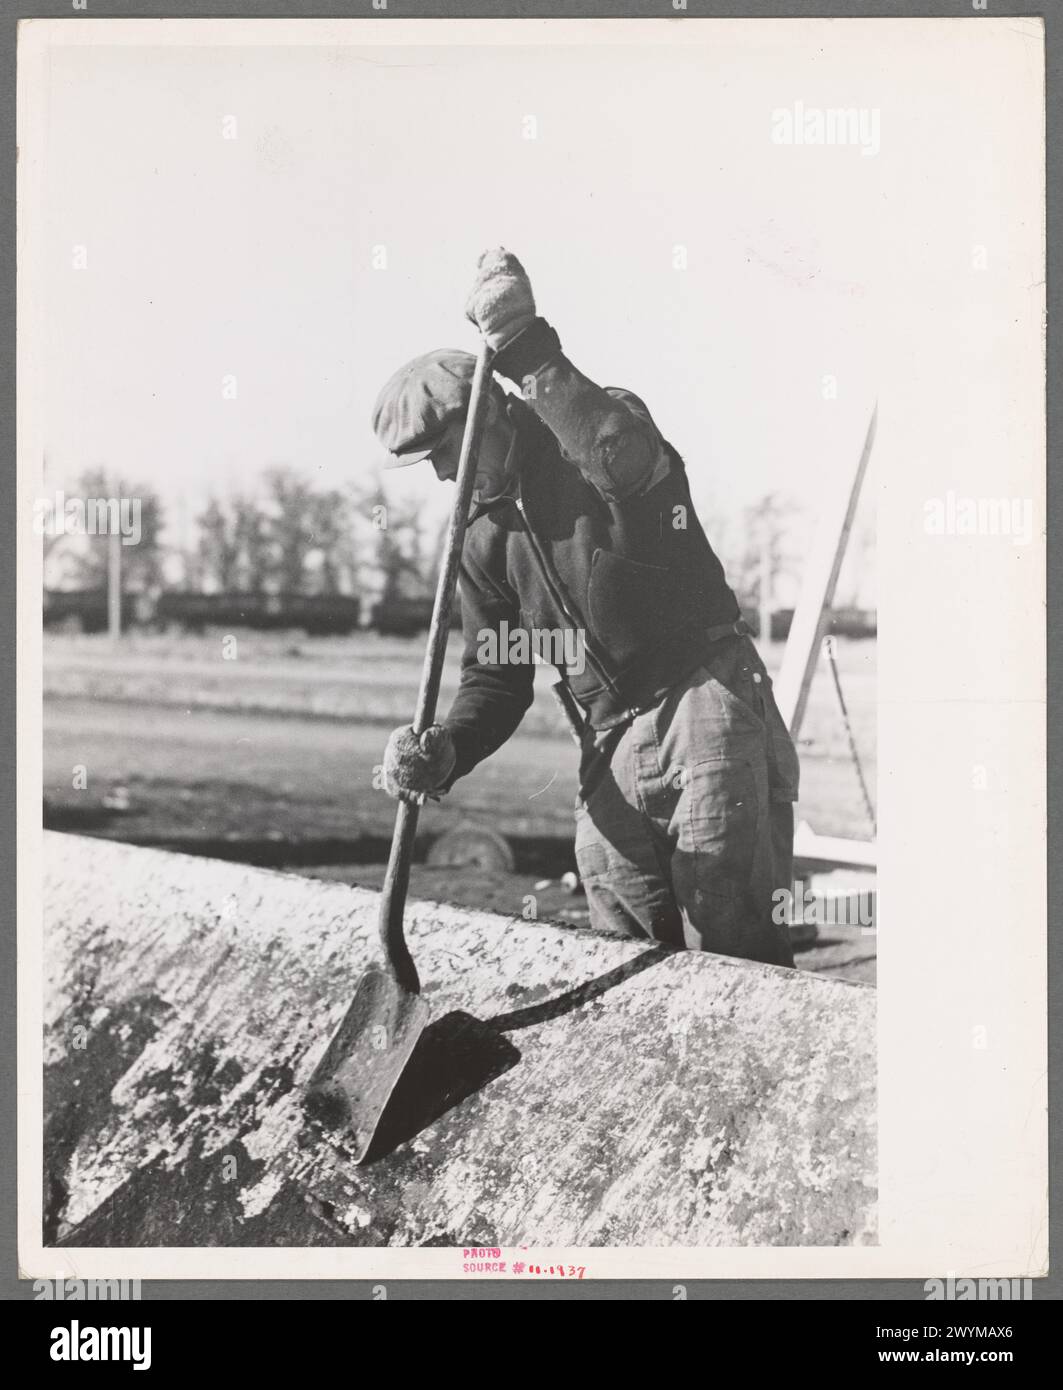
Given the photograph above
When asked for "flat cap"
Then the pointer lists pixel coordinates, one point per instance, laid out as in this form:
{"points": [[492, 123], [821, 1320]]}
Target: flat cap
{"points": [[417, 404]]}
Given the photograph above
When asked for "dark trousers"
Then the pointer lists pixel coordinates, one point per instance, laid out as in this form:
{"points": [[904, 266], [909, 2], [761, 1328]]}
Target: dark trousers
{"points": [[685, 820]]}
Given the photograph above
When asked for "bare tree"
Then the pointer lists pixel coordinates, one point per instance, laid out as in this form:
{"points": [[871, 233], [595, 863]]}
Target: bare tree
{"points": [[219, 546], [289, 529], [767, 548], [332, 537], [399, 551], [251, 534], [142, 562]]}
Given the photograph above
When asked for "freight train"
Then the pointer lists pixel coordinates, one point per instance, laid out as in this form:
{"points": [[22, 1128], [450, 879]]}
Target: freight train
{"points": [[322, 614], [315, 614]]}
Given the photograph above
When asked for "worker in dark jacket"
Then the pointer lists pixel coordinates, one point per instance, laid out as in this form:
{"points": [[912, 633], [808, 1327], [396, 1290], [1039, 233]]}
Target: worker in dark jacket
{"points": [[583, 532]]}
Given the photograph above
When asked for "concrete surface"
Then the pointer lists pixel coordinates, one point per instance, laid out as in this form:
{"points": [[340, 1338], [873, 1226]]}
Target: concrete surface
{"points": [[611, 1094], [842, 952]]}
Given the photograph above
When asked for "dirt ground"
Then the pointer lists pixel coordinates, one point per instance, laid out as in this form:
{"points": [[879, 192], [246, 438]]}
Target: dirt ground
{"points": [[270, 759], [155, 685]]}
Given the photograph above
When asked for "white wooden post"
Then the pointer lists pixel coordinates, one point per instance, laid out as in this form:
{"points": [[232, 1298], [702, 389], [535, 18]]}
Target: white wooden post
{"points": [[817, 593]]}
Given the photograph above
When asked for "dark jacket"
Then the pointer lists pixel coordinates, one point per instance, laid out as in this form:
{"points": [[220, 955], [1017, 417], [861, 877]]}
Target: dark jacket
{"points": [[599, 536]]}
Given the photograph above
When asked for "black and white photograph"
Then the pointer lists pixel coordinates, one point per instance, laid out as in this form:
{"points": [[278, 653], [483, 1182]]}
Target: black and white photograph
{"points": [[486, 832]]}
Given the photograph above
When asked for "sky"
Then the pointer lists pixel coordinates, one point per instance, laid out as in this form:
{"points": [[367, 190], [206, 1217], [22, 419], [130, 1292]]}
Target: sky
{"points": [[242, 241]]}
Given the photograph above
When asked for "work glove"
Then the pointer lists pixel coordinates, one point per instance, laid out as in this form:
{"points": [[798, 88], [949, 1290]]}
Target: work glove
{"points": [[416, 768], [501, 302]]}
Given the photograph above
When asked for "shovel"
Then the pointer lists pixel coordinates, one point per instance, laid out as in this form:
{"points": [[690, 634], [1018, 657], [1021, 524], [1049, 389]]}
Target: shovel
{"points": [[361, 1066]]}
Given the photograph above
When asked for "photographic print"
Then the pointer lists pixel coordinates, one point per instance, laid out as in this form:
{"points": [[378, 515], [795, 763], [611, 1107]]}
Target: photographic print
{"points": [[531, 648]]}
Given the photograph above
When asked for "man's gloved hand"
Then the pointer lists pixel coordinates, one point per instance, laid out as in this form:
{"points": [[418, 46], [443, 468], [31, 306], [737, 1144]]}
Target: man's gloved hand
{"points": [[501, 302], [416, 768]]}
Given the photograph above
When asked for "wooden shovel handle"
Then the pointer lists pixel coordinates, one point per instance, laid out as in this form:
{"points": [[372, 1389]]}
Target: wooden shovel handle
{"points": [[397, 878]]}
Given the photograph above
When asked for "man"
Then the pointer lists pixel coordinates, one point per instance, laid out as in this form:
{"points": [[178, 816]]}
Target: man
{"points": [[583, 526]]}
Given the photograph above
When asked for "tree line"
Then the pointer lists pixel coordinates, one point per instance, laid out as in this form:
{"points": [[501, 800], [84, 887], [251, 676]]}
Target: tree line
{"points": [[289, 535]]}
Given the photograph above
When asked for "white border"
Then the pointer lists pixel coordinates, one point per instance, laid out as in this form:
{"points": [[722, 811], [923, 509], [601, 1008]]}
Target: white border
{"points": [[963, 1147]]}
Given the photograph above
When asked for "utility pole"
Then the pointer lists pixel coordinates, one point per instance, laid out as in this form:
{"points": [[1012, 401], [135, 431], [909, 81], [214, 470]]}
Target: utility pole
{"points": [[114, 569], [765, 596]]}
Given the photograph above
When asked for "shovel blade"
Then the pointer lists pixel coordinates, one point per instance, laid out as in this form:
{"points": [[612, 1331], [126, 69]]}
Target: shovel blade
{"points": [[353, 1082]]}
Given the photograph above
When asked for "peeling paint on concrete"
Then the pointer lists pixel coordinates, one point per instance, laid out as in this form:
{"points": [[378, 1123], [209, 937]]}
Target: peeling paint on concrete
{"points": [[573, 1089]]}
